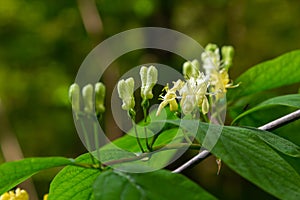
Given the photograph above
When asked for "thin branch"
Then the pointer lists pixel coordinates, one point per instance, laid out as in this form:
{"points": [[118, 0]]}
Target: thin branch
{"points": [[196, 159], [281, 121], [269, 126]]}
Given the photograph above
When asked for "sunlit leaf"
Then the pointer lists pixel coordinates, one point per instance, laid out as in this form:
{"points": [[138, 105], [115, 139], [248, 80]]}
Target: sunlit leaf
{"points": [[74, 182], [281, 71]]}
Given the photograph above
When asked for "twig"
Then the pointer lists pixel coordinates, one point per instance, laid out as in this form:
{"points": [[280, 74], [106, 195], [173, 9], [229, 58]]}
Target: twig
{"points": [[196, 159], [269, 126], [281, 121]]}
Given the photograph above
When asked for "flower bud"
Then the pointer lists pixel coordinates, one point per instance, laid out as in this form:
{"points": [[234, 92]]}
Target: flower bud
{"points": [[196, 64], [213, 53], [74, 96], [125, 90], [187, 69], [227, 56], [143, 75], [87, 94], [100, 97], [191, 69], [149, 79], [211, 48]]}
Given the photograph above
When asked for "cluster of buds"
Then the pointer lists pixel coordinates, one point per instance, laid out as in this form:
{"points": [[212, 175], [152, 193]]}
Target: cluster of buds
{"points": [[18, 194], [82, 101], [126, 87]]}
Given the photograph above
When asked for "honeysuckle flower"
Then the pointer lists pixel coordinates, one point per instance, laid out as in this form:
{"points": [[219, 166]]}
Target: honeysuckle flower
{"points": [[87, 94], [74, 96], [170, 97], [17, 195], [193, 94], [217, 69], [125, 90], [149, 79], [100, 97]]}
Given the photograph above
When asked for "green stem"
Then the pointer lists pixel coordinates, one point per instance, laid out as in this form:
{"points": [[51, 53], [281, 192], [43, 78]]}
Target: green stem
{"points": [[136, 135], [154, 138], [85, 135], [96, 138], [145, 105]]}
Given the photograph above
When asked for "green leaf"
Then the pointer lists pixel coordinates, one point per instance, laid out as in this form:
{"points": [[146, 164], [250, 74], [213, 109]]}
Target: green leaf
{"points": [[292, 100], [251, 157], [161, 184], [281, 71], [13, 173], [74, 182], [284, 146]]}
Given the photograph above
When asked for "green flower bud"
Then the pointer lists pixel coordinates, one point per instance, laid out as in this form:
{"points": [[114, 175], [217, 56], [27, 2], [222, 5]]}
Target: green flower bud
{"points": [[125, 90], [211, 48], [149, 79], [212, 53], [187, 69], [74, 96], [87, 94], [196, 64], [227, 56], [100, 97], [191, 69]]}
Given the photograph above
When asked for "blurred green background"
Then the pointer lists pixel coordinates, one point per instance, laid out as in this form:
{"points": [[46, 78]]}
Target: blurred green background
{"points": [[42, 45]]}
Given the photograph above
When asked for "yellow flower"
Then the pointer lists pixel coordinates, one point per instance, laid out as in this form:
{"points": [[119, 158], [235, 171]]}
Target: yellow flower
{"points": [[45, 197], [170, 97], [17, 195], [221, 82]]}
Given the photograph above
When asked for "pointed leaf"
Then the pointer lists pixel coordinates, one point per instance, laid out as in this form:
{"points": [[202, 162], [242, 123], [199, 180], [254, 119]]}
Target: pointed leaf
{"points": [[13, 173], [281, 71], [74, 182]]}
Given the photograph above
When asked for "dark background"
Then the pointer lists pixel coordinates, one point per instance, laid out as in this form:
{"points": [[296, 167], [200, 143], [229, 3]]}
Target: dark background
{"points": [[43, 43]]}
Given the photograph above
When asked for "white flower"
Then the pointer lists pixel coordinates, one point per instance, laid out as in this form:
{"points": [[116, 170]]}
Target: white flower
{"points": [[193, 94]]}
